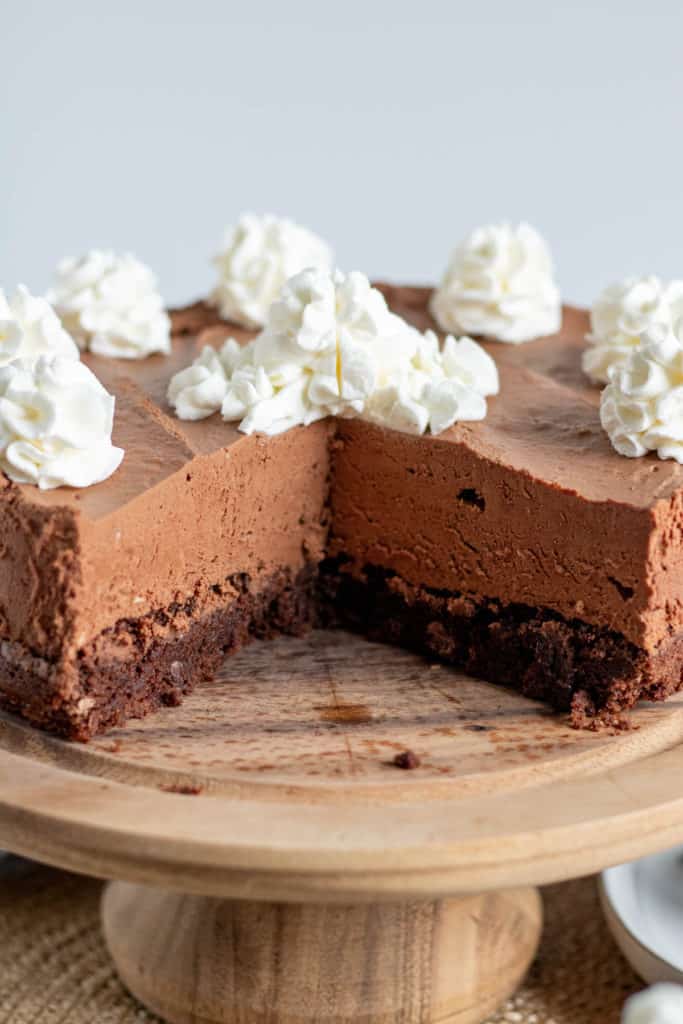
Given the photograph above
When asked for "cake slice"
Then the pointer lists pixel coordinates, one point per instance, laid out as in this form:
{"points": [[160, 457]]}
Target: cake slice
{"points": [[118, 598], [521, 548]]}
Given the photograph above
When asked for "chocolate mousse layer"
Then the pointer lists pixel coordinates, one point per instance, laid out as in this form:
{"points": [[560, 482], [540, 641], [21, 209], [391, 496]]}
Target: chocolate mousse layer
{"points": [[522, 548]]}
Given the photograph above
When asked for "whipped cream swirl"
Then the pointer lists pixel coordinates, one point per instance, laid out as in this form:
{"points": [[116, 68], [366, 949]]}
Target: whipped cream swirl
{"points": [[500, 284], [111, 305], [55, 424], [29, 328], [198, 391], [621, 315], [259, 254], [332, 347], [659, 1004], [642, 406], [435, 387]]}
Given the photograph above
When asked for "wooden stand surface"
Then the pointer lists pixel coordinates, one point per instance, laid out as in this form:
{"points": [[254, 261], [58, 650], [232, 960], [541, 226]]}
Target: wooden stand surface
{"points": [[273, 865]]}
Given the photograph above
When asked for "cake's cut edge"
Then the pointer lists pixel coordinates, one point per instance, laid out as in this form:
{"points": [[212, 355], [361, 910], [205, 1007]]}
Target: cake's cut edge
{"points": [[594, 673], [135, 666]]}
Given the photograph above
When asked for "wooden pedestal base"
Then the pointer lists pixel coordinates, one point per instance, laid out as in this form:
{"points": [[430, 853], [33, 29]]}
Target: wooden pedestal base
{"points": [[296, 801], [199, 960]]}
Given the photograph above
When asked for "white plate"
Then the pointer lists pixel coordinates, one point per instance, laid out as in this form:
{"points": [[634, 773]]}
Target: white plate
{"points": [[643, 904]]}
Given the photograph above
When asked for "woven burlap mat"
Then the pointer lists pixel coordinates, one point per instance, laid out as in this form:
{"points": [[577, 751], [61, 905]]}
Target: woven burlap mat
{"points": [[54, 968]]}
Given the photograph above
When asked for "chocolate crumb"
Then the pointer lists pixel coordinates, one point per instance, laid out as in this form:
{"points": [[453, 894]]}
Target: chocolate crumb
{"points": [[407, 760], [183, 790], [585, 715]]}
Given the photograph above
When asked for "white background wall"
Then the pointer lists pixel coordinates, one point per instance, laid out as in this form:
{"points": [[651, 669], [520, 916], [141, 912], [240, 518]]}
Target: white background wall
{"points": [[389, 127]]}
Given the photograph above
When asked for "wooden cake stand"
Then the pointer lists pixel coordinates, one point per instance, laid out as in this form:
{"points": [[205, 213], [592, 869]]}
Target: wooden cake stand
{"points": [[273, 865]]}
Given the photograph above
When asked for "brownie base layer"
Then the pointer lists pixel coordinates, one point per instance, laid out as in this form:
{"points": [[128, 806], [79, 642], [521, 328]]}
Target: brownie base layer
{"points": [[141, 664], [594, 673], [162, 656]]}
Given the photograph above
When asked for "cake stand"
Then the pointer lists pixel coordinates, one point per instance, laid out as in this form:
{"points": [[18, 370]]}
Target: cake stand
{"points": [[273, 865]]}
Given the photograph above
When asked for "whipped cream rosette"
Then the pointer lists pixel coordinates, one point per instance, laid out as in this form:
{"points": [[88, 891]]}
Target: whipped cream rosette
{"points": [[199, 390], [435, 387], [622, 314], [111, 305], [330, 347], [500, 284], [259, 254], [30, 328], [641, 408], [55, 424]]}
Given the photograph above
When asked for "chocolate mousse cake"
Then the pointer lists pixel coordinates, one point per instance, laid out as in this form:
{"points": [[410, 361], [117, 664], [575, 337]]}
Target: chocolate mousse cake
{"points": [[521, 548]]}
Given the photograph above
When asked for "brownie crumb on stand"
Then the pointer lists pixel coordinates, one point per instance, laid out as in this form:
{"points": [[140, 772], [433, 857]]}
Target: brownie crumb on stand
{"points": [[407, 760], [183, 790]]}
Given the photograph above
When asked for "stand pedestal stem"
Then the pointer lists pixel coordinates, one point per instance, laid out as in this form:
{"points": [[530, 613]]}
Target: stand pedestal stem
{"points": [[197, 960]]}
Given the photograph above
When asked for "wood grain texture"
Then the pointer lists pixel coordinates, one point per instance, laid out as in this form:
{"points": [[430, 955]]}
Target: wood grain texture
{"points": [[196, 960], [288, 754]]}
